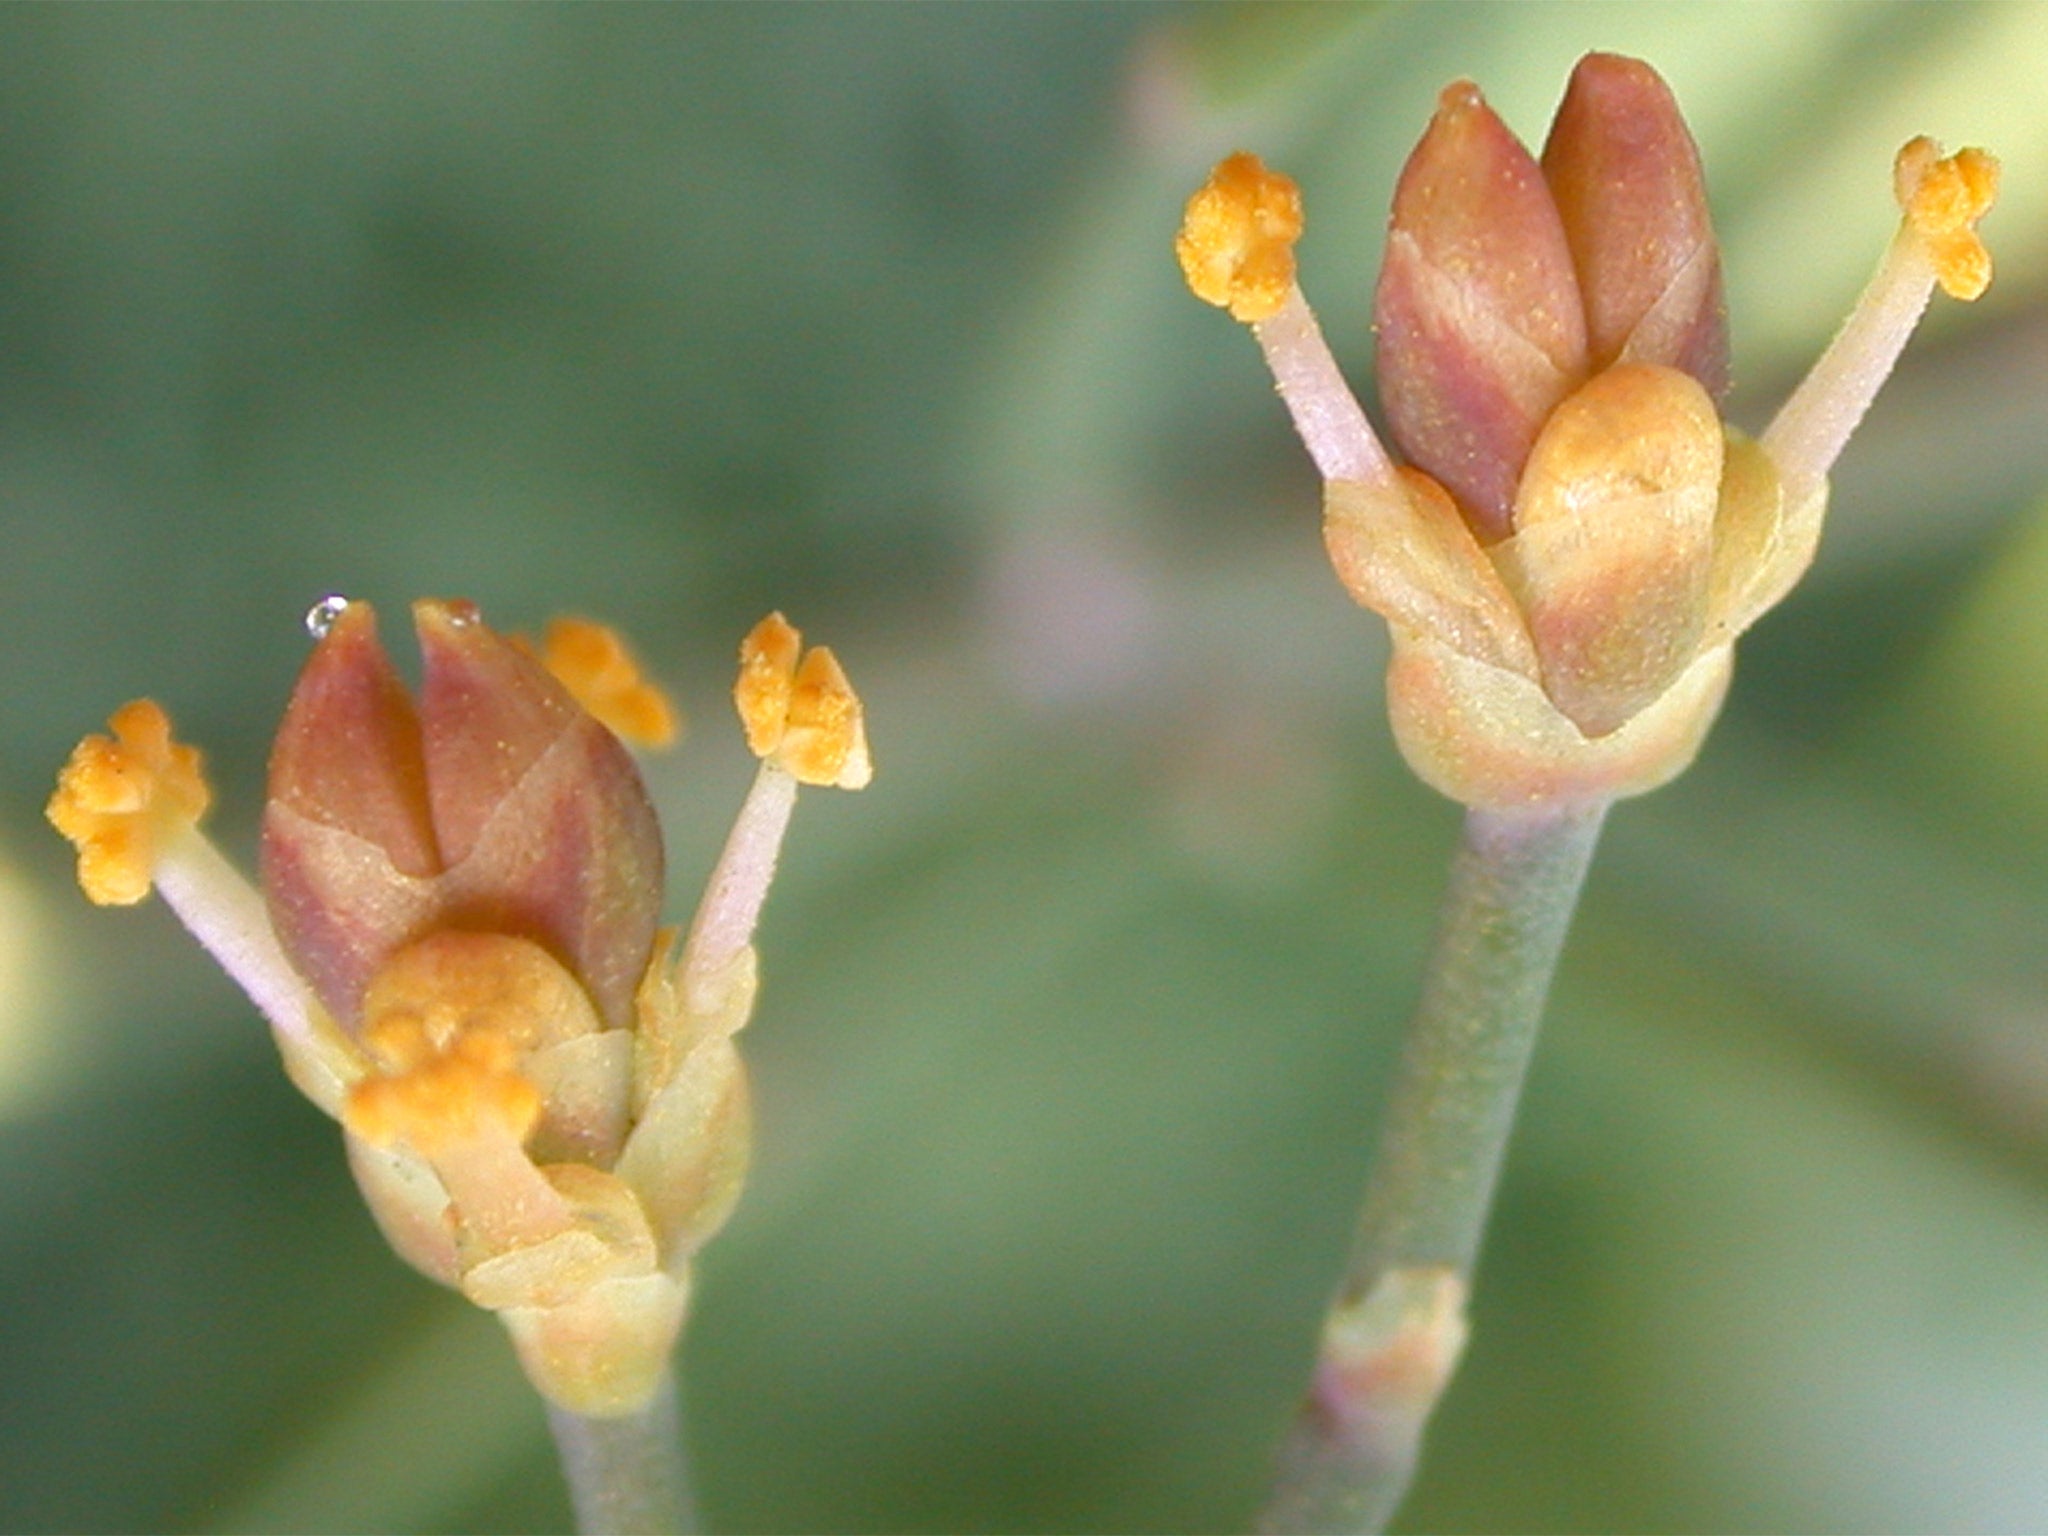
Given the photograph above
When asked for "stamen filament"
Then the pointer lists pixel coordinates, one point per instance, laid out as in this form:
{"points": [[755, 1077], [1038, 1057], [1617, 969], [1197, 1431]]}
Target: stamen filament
{"points": [[733, 897], [227, 915], [1941, 198], [1810, 430], [1328, 416]]}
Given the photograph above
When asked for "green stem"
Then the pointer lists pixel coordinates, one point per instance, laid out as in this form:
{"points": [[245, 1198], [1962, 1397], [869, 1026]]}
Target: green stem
{"points": [[1392, 1336], [626, 1475]]}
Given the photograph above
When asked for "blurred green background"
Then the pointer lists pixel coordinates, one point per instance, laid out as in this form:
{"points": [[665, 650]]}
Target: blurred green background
{"points": [[1075, 1022]]}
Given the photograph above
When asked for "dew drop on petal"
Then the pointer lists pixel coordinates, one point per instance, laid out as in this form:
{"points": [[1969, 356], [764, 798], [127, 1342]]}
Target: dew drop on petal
{"points": [[321, 616]]}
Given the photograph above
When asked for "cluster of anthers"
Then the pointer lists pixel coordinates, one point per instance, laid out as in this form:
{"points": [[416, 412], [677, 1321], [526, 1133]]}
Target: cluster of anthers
{"points": [[456, 944], [1576, 538]]}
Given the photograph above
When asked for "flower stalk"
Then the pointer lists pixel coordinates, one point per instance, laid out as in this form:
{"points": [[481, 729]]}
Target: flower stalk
{"points": [[626, 1474], [1394, 1333], [1565, 543]]}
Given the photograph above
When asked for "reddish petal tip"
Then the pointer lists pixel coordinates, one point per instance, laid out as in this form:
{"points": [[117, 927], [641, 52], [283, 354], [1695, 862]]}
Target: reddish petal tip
{"points": [[1480, 325], [1626, 177], [348, 752]]}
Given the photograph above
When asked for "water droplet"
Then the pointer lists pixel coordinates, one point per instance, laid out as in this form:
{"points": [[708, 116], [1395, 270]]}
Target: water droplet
{"points": [[321, 616], [462, 612]]}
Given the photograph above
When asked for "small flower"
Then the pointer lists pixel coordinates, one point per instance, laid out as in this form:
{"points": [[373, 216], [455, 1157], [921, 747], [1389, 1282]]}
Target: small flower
{"points": [[1576, 538], [457, 946]]}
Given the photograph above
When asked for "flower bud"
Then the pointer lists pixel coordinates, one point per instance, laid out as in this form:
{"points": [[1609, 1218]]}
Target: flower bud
{"points": [[497, 804], [1507, 283]]}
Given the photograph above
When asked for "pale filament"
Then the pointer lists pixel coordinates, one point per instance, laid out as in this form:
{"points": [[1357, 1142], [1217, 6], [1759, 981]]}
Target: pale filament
{"points": [[1328, 416]]}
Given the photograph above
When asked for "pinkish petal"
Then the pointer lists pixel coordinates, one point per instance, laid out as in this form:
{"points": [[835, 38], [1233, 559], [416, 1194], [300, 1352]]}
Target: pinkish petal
{"points": [[546, 826], [348, 850], [1478, 313], [1626, 177], [571, 858], [488, 711], [338, 905], [348, 751]]}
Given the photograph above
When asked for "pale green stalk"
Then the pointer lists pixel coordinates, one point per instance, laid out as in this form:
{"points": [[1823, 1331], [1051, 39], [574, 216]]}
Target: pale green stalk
{"points": [[1393, 1334], [627, 1476]]}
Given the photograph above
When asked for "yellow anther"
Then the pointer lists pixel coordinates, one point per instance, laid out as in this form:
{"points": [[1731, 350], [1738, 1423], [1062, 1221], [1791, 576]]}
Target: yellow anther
{"points": [[826, 741], [466, 1089], [1236, 242], [1943, 197], [119, 797], [768, 658], [593, 663], [799, 709], [447, 1023]]}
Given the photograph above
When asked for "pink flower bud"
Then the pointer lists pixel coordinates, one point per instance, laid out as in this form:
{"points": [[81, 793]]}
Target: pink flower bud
{"points": [[1506, 284], [496, 805]]}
